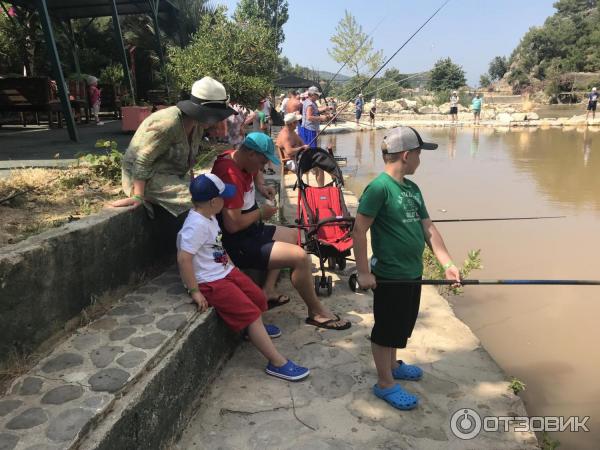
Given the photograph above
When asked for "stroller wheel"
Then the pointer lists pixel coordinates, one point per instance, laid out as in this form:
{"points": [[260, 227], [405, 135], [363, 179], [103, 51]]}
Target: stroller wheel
{"points": [[353, 282], [341, 262], [329, 285], [317, 284], [331, 263]]}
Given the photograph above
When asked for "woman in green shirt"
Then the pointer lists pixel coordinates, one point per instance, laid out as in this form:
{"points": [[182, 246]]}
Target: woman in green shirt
{"points": [[157, 166]]}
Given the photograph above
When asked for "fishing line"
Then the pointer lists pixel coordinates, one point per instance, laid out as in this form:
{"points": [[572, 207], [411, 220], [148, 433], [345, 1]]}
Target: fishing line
{"points": [[381, 68]]}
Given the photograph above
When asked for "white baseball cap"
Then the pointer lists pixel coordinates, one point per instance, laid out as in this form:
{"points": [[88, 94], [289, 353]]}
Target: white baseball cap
{"points": [[402, 139], [291, 117]]}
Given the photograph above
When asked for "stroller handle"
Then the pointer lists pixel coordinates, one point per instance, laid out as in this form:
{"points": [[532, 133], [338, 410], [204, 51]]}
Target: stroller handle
{"points": [[330, 221]]}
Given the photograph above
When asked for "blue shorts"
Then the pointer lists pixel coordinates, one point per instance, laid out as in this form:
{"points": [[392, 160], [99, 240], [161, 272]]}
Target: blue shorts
{"points": [[358, 113], [251, 248], [309, 137]]}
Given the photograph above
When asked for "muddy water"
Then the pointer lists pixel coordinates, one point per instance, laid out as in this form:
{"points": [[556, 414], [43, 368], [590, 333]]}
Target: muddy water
{"points": [[546, 336]]}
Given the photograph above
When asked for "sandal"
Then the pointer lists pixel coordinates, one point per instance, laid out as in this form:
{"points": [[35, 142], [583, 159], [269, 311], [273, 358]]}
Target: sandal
{"points": [[407, 372], [329, 324], [280, 300], [397, 397]]}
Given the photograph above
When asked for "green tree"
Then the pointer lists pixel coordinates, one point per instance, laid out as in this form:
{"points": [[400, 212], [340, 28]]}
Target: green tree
{"points": [[236, 54], [498, 67], [446, 76], [353, 46], [484, 81], [391, 84], [272, 13], [190, 16]]}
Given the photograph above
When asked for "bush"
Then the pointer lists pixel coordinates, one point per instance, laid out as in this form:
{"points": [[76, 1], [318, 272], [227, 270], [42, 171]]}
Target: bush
{"points": [[106, 166], [112, 74], [239, 55]]}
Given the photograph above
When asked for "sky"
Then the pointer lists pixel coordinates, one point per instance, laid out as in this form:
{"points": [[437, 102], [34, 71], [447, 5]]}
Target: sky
{"points": [[471, 32]]}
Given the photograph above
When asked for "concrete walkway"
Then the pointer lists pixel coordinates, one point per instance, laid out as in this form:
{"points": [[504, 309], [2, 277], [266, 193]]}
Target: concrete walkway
{"points": [[334, 408]]}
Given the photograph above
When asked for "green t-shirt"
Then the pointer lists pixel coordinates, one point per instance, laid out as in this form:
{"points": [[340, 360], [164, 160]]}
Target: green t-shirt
{"points": [[397, 237]]}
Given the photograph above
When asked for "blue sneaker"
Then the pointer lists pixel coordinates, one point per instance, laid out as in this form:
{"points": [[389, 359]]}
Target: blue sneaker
{"points": [[272, 331], [289, 371]]}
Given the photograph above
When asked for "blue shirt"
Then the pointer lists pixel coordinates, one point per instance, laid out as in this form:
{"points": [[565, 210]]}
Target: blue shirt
{"points": [[308, 103], [359, 103]]}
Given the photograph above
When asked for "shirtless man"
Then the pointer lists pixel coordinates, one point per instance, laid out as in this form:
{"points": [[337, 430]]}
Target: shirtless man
{"points": [[288, 140], [294, 105], [290, 143]]}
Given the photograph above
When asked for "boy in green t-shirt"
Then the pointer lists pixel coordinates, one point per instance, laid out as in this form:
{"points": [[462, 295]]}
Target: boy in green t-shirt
{"points": [[393, 208]]}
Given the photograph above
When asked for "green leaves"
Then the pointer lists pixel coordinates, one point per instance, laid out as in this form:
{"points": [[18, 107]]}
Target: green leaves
{"points": [[446, 76], [107, 165], [353, 46], [239, 55]]}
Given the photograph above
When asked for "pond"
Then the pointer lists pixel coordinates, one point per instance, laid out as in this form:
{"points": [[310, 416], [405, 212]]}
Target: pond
{"points": [[544, 335]]}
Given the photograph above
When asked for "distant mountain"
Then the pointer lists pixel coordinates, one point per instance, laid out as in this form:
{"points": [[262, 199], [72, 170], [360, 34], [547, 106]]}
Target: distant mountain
{"points": [[325, 75]]}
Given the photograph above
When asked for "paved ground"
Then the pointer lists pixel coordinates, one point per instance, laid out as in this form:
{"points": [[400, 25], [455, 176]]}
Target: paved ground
{"points": [[38, 146], [334, 408]]}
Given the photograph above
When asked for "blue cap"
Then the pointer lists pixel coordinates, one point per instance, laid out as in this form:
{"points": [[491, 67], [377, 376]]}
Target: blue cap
{"points": [[208, 186], [261, 143]]}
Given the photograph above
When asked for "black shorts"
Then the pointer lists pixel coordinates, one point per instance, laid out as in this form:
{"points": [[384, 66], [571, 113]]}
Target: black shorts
{"points": [[251, 248], [591, 106], [454, 110], [395, 309]]}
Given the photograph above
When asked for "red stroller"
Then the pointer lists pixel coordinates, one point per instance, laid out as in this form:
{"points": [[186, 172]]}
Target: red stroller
{"points": [[323, 215]]}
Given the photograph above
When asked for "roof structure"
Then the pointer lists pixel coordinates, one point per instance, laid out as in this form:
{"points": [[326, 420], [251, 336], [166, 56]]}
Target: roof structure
{"points": [[79, 9], [163, 11], [292, 81]]}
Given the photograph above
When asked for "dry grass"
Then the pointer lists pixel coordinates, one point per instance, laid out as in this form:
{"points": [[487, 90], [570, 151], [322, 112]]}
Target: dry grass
{"points": [[14, 366], [40, 199]]}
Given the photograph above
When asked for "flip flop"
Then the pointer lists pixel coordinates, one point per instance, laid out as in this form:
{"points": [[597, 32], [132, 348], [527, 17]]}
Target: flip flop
{"points": [[280, 300], [329, 324], [407, 372], [397, 397]]}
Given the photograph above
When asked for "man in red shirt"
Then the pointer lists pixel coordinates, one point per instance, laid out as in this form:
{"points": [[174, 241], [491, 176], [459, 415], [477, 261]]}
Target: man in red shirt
{"points": [[253, 244]]}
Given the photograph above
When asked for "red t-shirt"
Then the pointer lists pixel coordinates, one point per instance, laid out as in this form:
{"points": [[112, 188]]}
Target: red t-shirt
{"points": [[229, 172]]}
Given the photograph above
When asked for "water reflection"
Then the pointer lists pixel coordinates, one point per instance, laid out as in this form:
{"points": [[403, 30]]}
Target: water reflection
{"points": [[358, 147], [587, 147], [474, 142], [452, 142]]}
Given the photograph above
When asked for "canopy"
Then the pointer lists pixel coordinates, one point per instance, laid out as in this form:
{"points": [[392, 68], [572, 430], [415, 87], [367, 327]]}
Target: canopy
{"points": [[292, 81]]}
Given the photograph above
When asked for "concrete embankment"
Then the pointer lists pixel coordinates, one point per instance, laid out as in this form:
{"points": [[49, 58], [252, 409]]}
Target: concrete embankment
{"points": [[350, 126], [334, 408]]}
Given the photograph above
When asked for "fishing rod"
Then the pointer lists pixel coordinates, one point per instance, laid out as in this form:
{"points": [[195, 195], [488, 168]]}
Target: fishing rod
{"points": [[351, 219], [381, 68], [497, 218], [324, 90], [353, 282]]}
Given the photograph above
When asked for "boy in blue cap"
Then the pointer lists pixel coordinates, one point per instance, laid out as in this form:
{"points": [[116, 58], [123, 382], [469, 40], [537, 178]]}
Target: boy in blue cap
{"points": [[213, 280]]}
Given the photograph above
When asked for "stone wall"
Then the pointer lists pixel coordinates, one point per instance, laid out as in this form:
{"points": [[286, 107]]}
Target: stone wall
{"points": [[50, 278]]}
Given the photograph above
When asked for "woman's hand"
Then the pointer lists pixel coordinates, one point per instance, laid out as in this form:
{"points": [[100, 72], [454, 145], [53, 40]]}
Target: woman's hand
{"points": [[125, 202]]}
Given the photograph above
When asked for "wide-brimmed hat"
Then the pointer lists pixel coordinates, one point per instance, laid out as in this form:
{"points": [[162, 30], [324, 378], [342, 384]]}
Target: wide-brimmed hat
{"points": [[313, 90], [291, 117], [403, 139], [208, 102]]}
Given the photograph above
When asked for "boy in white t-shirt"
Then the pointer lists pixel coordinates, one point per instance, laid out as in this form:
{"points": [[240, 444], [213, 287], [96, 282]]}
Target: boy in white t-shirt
{"points": [[213, 280]]}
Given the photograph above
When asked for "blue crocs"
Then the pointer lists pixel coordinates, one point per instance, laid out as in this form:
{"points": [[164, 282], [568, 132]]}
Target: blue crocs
{"points": [[407, 372], [273, 331], [289, 371], [397, 397]]}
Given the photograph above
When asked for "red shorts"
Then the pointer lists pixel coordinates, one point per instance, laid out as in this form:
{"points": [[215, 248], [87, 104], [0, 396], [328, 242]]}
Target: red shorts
{"points": [[236, 298]]}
